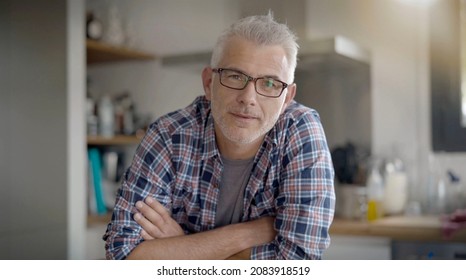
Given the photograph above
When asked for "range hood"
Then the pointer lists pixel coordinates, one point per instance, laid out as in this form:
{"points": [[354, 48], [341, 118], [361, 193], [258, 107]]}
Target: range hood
{"points": [[337, 50]]}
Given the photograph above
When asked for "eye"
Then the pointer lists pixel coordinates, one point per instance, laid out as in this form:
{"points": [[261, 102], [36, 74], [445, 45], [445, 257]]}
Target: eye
{"points": [[234, 76], [270, 83]]}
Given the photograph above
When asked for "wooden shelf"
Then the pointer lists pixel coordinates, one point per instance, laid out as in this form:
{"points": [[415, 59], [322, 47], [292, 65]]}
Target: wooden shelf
{"points": [[99, 219], [422, 228], [100, 52], [116, 140]]}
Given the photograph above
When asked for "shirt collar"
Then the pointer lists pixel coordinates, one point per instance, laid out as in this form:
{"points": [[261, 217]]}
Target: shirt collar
{"points": [[210, 149]]}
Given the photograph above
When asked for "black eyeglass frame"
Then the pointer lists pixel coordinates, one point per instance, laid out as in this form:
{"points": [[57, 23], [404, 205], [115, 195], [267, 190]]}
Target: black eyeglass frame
{"points": [[219, 71]]}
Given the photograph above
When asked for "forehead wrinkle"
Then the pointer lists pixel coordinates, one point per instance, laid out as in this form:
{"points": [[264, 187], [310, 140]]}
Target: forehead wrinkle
{"points": [[237, 55]]}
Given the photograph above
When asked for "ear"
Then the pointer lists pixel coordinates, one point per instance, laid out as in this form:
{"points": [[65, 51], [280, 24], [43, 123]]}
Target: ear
{"points": [[207, 82], [290, 94]]}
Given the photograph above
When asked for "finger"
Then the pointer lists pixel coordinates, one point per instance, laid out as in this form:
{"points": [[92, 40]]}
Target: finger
{"points": [[146, 236], [158, 207], [147, 226], [149, 213]]}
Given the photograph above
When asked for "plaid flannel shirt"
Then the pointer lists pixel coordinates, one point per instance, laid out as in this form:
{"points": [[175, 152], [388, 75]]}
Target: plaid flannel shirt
{"points": [[178, 164]]}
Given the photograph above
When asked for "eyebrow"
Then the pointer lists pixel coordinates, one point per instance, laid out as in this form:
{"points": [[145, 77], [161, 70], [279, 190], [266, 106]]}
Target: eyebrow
{"points": [[261, 76]]}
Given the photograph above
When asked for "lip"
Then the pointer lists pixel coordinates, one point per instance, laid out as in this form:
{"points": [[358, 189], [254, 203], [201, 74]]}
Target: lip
{"points": [[244, 116]]}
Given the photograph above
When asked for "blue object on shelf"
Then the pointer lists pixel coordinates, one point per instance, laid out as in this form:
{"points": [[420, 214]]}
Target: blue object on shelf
{"points": [[96, 166]]}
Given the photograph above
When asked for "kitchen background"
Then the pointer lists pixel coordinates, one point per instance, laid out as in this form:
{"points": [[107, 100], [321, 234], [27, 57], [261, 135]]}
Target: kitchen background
{"points": [[377, 98]]}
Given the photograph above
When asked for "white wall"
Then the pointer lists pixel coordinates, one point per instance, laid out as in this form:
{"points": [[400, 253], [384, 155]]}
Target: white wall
{"points": [[76, 130]]}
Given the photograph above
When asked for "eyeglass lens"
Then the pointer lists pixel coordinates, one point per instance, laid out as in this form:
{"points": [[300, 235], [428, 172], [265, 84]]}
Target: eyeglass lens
{"points": [[237, 80]]}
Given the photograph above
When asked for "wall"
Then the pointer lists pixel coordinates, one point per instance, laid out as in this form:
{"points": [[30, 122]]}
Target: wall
{"points": [[76, 131], [33, 130], [5, 88]]}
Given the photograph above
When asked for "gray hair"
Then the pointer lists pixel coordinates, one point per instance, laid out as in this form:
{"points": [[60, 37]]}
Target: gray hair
{"points": [[262, 30]]}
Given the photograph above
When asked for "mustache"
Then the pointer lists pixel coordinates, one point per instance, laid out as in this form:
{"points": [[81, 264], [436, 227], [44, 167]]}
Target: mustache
{"points": [[244, 111]]}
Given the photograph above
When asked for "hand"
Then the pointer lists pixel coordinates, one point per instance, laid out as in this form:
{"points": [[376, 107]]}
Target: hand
{"points": [[243, 255], [155, 220]]}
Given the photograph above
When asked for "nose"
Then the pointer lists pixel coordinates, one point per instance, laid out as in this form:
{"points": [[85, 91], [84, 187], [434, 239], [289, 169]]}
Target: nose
{"points": [[248, 95]]}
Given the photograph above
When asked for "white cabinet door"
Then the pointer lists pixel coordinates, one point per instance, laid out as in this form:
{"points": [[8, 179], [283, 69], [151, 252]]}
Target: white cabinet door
{"points": [[344, 247]]}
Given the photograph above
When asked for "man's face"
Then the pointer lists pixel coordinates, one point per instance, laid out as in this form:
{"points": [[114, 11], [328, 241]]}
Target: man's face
{"points": [[243, 116]]}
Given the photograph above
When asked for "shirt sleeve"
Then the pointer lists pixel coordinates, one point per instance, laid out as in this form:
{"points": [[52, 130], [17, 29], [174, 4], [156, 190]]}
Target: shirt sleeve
{"points": [[148, 174], [306, 200]]}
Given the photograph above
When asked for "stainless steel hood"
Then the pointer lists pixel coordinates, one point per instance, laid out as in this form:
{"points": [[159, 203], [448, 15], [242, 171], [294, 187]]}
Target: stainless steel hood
{"points": [[334, 77], [336, 51]]}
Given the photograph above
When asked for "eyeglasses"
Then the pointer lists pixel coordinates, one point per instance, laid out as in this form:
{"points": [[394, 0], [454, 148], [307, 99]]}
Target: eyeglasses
{"points": [[265, 86]]}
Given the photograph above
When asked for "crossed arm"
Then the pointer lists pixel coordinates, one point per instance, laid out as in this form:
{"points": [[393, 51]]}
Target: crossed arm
{"points": [[164, 238]]}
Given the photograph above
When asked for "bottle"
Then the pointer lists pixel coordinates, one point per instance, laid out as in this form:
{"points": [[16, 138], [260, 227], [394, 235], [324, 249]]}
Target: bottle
{"points": [[434, 203], [91, 118], [91, 107], [396, 188], [114, 30], [454, 193], [106, 117], [94, 27], [375, 193]]}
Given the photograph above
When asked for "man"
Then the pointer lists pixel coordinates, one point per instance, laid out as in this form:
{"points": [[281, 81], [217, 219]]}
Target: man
{"points": [[242, 170]]}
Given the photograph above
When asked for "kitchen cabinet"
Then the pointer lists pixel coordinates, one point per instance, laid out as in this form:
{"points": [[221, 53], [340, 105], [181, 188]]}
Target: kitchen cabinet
{"points": [[350, 247], [392, 237], [447, 69]]}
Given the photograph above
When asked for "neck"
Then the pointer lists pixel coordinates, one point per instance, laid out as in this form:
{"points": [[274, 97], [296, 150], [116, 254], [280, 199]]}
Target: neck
{"points": [[236, 151]]}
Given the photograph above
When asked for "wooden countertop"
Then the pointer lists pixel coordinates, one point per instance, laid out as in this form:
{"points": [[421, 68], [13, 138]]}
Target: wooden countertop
{"points": [[422, 228]]}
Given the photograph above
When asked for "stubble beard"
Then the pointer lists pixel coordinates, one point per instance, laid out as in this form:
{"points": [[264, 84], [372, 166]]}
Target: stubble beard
{"points": [[234, 133]]}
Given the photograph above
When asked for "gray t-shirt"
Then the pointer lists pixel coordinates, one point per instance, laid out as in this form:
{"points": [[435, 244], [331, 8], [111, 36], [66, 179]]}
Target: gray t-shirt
{"points": [[234, 179]]}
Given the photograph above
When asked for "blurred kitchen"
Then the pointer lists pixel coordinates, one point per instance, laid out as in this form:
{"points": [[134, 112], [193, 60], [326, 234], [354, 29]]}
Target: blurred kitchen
{"points": [[80, 80]]}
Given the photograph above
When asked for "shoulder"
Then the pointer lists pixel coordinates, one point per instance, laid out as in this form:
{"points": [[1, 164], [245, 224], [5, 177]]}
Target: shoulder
{"points": [[190, 117], [298, 125], [296, 115]]}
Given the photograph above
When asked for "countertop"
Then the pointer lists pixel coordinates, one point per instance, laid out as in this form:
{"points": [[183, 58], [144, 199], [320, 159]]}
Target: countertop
{"points": [[416, 228]]}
